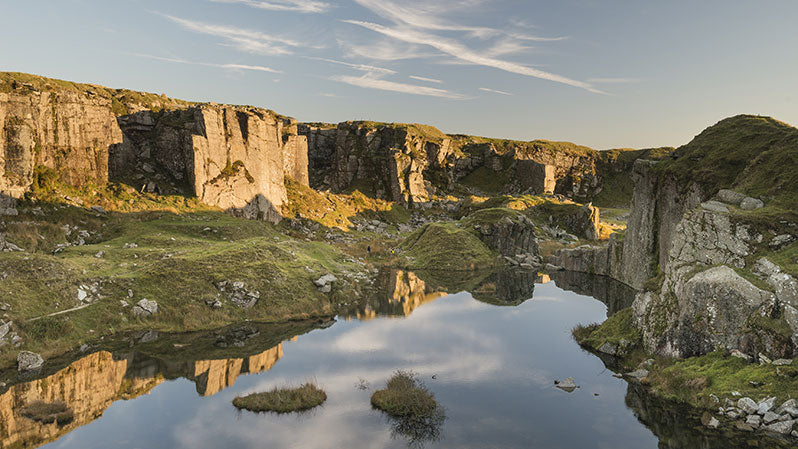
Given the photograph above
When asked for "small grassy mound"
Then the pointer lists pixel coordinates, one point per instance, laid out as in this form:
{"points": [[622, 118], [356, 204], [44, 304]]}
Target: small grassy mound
{"points": [[417, 414], [445, 246], [615, 329], [283, 400], [46, 413]]}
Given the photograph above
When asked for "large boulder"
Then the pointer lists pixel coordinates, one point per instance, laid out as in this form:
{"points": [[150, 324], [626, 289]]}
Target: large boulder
{"points": [[710, 310]]}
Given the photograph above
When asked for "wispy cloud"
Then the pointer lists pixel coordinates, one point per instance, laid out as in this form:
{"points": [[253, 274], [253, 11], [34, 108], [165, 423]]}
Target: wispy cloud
{"points": [[460, 51], [384, 50], [303, 6], [613, 80], [257, 68], [242, 39], [501, 92], [372, 81], [361, 67], [429, 80]]}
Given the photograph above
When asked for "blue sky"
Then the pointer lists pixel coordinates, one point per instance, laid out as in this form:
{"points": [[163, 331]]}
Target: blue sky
{"points": [[603, 73]]}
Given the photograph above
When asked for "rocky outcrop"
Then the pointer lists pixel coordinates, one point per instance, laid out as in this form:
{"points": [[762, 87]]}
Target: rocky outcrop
{"points": [[703, 304], [508, 232], [604, 260], [232, 157]]}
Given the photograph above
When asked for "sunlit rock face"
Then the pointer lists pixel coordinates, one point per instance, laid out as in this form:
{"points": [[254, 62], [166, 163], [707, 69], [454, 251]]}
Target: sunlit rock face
{"points": [[65, 131], [89, 385], [232, 157]]}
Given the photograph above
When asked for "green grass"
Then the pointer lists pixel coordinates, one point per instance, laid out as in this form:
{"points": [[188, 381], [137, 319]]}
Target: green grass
{"points": [[444, 246], [752, 154], [176, 262], [283, 400]]}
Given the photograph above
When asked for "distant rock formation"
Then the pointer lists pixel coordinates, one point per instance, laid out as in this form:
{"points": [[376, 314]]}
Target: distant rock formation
{"points": [[410, 163]]}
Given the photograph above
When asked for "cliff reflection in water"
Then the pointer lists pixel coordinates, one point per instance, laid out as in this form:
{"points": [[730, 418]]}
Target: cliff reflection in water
{"points": [[398, 293], [89, 385]]}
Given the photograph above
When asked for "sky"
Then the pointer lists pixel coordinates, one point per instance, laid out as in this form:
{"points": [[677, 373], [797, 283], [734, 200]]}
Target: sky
{"points": [[601, 73]]}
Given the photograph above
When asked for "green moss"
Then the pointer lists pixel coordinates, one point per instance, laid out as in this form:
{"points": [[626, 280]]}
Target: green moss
{"points": [[283, 400], [694, 379]]}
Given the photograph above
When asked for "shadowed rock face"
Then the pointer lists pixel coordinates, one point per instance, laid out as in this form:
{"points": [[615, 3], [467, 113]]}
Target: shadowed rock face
{"points": [[410, 163]]}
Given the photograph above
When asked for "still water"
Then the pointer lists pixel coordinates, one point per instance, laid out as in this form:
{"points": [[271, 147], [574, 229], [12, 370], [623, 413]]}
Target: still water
{"points": [[491, 363]]}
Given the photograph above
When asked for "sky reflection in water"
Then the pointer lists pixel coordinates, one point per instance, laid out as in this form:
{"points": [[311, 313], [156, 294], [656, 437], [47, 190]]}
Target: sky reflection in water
{"points": [[494, 372]]}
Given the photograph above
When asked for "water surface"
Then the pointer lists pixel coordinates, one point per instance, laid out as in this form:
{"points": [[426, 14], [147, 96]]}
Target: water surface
{"points": [[491, 358]]}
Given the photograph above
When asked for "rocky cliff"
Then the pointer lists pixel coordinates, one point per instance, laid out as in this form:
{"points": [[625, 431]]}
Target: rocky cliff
{"points": [[412, 163], [232, 157], [706, 267]]}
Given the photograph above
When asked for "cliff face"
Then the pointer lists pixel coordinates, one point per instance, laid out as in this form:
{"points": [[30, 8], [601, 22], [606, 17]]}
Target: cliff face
{"points": [[230, 157], [411, 163], [65, 131]]}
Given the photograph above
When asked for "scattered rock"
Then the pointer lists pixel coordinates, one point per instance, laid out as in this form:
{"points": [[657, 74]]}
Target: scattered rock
{"points": [[237, 293], [638, 374], [29, 361], [770, 417], [715, 206], [98, 209], [741, 355], [782, 362], [782, 427], [130, 245], [749, 203], [781, 240], [145, 308], [754, 421], [747, 405], [324, 283], [609, 348], [568, 385], [765, 406], [731, 197]]}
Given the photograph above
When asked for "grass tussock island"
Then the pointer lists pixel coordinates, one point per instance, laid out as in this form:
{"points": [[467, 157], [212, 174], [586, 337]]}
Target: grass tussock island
{"points": [[405, 396], [283, 400]]}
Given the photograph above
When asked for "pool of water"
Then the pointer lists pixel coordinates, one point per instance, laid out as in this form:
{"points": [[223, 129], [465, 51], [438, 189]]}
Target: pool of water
{"points": [[493, 368]]}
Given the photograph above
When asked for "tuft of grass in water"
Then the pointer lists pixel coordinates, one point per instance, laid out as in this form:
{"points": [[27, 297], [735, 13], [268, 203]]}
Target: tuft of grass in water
{"points": [[46, 413], [283, 400], [416, 414], [406, 396]]}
